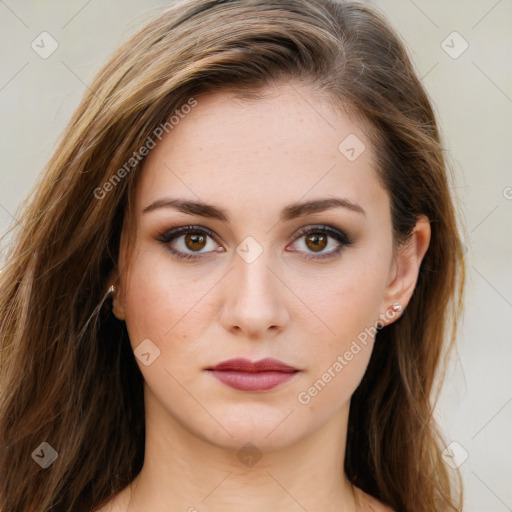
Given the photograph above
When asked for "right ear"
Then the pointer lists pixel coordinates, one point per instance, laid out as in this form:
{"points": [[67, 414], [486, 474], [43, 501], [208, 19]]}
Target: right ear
{"points": [[118, 307]]}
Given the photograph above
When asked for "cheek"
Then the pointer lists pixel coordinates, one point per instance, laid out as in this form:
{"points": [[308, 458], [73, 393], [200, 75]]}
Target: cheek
{"points": [[330, 386], [164, 304], [343, 302], [147, 299], [347, 306], [337, 360]]}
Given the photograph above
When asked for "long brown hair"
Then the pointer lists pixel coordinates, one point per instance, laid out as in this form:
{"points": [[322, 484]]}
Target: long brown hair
{"points": [[68, 376]]}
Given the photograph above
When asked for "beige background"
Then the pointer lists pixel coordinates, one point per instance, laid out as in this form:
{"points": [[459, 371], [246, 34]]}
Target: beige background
{"points": [[473, 97]]}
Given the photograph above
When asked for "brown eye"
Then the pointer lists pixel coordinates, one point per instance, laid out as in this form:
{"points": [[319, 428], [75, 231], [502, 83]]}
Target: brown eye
{"points": [[316, 241], [195, 242], [190, 242], [320, 242]]}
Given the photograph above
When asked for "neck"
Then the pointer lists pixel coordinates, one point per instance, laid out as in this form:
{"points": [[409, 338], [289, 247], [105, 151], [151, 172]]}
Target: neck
{"points": [[183, 471]]}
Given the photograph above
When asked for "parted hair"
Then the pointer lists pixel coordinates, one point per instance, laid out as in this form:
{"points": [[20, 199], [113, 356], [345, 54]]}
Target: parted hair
{"points": [[68, 375]]}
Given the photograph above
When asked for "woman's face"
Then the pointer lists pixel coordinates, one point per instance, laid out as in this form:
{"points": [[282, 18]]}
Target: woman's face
{"points": [[260, 274]]}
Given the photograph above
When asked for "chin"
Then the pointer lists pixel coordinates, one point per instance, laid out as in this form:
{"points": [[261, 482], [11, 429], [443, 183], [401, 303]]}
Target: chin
{"points": [[267, 432], [252, 440]]}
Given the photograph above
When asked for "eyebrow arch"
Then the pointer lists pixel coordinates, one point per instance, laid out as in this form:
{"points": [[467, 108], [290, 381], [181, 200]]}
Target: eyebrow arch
{"points": [[288, 213]]}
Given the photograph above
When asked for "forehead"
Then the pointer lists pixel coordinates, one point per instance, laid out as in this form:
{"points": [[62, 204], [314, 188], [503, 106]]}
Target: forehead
{"points": [[257, 154]]}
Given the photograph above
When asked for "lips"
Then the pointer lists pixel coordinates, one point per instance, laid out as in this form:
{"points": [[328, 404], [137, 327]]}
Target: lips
{"points": [[244, 375], [263, 365]]}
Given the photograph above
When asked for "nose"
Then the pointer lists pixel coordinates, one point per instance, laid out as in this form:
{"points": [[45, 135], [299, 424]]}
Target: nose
{"points": [[254, 305]]}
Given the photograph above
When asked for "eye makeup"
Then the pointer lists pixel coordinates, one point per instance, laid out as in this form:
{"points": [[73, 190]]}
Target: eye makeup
{"points": [[321, 233]]}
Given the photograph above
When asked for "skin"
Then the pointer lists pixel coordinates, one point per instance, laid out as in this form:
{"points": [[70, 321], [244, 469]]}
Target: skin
{"points": [[253, 158]]}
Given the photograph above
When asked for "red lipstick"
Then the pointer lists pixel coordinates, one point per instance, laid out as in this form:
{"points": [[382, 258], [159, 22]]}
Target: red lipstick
{"points": [[245, 375]]}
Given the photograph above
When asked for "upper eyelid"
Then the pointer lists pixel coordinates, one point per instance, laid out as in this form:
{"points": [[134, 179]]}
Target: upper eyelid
{"points": [[298, 233], [300, 230]]}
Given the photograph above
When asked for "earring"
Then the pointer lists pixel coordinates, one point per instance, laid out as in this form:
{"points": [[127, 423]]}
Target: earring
{"points": [[107, 304], [397, 307]]}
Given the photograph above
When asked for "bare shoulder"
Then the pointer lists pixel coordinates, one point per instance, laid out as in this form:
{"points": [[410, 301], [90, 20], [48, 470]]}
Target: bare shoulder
{"points": [[108, 506], [371, 504], [118, 503], [377, 506]]}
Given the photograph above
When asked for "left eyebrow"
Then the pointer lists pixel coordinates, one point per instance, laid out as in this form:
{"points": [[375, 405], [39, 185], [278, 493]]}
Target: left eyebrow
{"points": [[295, 210], [288, 213]]}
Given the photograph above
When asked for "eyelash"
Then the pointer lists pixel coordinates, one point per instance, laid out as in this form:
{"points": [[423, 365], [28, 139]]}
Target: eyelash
{"points": [[170, 235]]}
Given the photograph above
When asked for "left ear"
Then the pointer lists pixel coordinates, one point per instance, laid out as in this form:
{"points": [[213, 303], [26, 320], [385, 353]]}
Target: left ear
{"points": [[406, 266]]}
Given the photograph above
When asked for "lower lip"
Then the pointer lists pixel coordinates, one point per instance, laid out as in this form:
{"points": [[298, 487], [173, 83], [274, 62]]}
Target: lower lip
{"points": [[259, 381]]}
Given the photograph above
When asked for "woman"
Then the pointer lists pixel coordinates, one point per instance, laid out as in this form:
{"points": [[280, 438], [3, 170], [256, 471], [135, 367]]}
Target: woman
{"points": [[231, 287]]}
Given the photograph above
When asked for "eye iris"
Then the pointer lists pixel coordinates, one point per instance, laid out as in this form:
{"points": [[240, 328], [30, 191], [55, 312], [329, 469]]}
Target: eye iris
{"points": [[319, 241], [195, 240]]}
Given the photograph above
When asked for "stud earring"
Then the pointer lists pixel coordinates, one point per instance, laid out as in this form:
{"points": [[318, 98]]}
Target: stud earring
{"points": [[397, 307]]}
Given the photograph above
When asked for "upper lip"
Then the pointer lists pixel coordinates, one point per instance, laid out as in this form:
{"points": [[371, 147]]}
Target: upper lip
{"points": [[263, 365]]}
